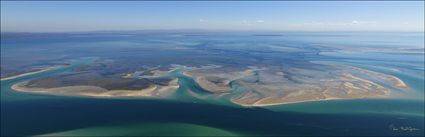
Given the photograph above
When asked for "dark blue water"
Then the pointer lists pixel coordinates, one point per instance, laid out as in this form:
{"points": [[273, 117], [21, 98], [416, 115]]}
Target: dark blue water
{"points": [[35, 114], [27, 114], [54, 115]]}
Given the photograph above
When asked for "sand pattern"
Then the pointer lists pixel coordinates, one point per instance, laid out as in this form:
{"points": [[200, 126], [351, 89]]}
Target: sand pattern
{"points": [[257, 86]]}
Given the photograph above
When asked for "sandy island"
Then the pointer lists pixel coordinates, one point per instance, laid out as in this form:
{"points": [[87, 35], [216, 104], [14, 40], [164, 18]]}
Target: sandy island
{"points": [[396, 81], [264, 87], [256, 86], [94, 91], [32, 72]]}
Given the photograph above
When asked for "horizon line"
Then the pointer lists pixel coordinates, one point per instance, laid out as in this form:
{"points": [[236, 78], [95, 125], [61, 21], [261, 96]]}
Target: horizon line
{"points": [[212, 30]]}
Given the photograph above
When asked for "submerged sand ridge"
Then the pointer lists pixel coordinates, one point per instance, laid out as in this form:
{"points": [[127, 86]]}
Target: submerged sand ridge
{"points": [[256, 86]]}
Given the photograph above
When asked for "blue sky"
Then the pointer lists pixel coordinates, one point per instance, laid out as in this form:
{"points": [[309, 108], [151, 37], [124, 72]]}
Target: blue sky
{"points": [[63, 16]]}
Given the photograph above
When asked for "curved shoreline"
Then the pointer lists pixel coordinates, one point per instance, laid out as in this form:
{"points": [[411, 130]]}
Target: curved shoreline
{"points": [[149, 92], [24, 74], [19, 87], [297, 102], [397, 82], [94, 91], [32, 72], [263, 95]]}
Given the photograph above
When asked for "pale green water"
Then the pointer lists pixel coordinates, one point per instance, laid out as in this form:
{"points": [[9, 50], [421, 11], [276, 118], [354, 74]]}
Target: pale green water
{"points": [[157, 129]]}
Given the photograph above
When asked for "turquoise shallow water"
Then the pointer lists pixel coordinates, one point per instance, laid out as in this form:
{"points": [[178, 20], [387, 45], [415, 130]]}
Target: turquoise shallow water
{"points": [[192, 111], [185, 114]]}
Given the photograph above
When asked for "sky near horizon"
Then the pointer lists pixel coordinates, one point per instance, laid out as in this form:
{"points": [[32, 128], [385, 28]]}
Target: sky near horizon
{"points": [[63, 16]]}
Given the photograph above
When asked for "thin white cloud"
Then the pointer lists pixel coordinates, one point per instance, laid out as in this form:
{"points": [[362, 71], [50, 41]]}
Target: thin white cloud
{"points": [[251, 23], [203, 20], [247, 23], [354, 22]]}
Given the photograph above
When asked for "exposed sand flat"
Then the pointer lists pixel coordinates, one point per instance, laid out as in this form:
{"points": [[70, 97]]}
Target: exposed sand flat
{"points": [[265, 86], [94, 91], [31, 73], [155, 73], [256, 86], [283, 91], [217, 82], [150, 73], [218, 86], [188, 68], [396, 81]]}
